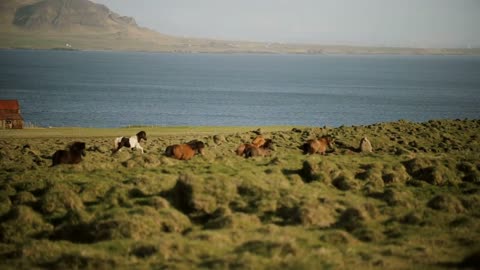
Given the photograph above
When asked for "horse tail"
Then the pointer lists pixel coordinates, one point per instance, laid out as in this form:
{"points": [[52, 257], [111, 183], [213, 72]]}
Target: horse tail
{"points": [[251, 152], [304, 147], [169, 151], [55, 157]]}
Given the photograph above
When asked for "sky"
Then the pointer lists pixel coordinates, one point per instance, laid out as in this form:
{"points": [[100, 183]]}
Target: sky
{"points": [[392, 23]]}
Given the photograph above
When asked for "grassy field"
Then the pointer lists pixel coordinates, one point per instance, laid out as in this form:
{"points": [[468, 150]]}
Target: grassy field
{"points": [[14, 38], [414, 203]]}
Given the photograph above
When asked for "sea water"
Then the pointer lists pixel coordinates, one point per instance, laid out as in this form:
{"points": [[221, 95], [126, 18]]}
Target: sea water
{"points": [[115, 89]]}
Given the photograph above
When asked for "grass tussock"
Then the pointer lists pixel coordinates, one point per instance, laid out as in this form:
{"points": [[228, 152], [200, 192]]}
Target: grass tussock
{"points": [[412, 202]]}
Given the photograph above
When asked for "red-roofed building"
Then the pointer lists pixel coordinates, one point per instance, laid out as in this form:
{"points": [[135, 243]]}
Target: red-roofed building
{"points": [[10, 114]]}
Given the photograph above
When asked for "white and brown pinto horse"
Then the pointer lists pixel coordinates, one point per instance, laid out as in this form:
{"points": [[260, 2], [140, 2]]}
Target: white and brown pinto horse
{"points": [[132, 142]]}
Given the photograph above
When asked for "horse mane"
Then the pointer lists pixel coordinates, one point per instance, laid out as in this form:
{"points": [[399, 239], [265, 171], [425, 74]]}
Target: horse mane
{"points": [[268, 144], [169, 150], [77, 147], [196, 144], [141, 135], [327, 137]]}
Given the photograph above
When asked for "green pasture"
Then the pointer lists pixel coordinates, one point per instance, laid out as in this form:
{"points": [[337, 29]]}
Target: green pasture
{"points": [[411, 204]]}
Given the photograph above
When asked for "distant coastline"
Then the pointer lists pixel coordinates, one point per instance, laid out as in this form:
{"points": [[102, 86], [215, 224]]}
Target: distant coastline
{"points": [[47, 26], [331, 50]]}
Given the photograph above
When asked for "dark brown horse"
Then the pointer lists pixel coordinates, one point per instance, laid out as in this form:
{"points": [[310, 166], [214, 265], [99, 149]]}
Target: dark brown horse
{"points": [[185, 151], [318, 145], [71, 156]]}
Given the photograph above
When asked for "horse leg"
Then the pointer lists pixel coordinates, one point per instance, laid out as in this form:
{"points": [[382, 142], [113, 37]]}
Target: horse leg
{"points": [[119, 148]]}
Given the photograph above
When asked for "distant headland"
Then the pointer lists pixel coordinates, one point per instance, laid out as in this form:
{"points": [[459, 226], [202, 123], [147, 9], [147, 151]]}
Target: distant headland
{"points": [[84, 25]]}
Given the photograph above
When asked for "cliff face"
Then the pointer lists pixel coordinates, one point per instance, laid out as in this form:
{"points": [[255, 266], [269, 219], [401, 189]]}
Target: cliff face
{"points": [[9, 7], [61, 15]]}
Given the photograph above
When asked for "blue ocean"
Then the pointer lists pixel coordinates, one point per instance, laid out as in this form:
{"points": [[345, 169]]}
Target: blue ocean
{"points": [[117, 89]]}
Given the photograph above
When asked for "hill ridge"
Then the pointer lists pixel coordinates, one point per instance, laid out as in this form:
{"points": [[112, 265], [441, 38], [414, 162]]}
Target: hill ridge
{"points": [[65, 14]]}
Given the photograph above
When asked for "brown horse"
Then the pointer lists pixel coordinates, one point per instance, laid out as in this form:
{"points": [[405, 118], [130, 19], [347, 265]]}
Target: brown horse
{"points": [[259, 151], [318, 145], [185, 151], [72, 156], [259, 141]]}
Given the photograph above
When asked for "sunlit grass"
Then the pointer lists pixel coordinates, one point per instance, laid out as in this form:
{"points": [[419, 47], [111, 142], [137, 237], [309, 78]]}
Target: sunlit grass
{"points": [[411, 204]]}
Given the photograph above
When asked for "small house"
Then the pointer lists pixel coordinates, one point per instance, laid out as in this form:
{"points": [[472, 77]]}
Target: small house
{"points": [[10, 114]]}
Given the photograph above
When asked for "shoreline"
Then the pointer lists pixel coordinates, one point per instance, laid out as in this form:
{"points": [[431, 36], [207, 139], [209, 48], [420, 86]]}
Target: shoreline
{"points": [[363, 51], [32, 132], [111, 132]]}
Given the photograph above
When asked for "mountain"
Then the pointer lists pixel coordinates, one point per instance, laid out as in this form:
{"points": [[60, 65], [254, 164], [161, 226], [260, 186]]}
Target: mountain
{"points": [[9, 7], [69, 14], [84, 25]]}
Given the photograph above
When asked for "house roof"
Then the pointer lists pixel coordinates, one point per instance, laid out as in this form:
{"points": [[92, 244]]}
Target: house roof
{"points": [[9, 104], [10, 116]]}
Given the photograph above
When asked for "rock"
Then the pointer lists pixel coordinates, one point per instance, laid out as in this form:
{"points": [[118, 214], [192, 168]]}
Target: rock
{"points": [[219, 139], [365, 146]]}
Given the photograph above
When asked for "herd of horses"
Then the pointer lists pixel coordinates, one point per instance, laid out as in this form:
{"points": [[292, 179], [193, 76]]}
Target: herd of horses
{"points": [[260, 146]]}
